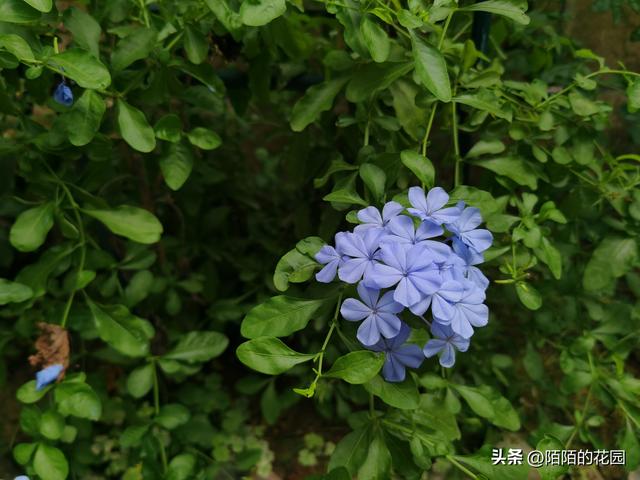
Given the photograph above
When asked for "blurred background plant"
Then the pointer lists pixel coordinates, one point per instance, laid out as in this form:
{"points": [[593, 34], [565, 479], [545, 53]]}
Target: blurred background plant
{"points": [[146, 209]]}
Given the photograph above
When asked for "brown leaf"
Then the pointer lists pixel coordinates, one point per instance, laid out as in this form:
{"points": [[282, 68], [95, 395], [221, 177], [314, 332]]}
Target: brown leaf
{"points": [[52, 347]]}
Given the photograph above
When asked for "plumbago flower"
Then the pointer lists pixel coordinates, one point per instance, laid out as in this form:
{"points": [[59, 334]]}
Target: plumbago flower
{"points": [[63, 94], [423, 259]]}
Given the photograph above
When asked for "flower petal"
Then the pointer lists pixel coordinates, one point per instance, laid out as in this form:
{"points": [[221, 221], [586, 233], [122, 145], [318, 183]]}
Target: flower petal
{"points": [[448, 356], [433, 347], [393, 370], [368, 332], [354, 310]]}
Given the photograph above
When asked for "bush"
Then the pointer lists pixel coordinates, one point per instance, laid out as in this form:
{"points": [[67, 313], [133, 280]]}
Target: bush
{"points": [[160, 161]]}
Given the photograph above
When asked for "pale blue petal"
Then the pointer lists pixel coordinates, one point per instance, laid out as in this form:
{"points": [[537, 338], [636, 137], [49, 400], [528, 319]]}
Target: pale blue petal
{"points": [[48, 375], [354, 310], [448, 356], [410, 355], [383, 276], [388, 324], [328, 273], [368, 332], [393, 370], [369, 296], [433, 347], [352, 270]]}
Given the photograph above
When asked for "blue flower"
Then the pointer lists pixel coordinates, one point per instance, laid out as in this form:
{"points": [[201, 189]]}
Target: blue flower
{"points": [[430, 207], [464, 228], [469, 258], [398, 355], [409, 268], [441, 301], [360, 251], [445, 343], [63, 95], [401, 229], [379, 314], [21, 477], [469, 311], [48, 375], [331, 259], [371, 217]]}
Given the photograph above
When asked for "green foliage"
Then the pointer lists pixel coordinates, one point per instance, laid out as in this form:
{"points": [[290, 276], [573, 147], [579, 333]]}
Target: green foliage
{"points": [[214, 146]]}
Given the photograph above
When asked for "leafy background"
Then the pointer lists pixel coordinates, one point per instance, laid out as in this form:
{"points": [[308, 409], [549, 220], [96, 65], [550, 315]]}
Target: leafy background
{"points": [[209, 138]]}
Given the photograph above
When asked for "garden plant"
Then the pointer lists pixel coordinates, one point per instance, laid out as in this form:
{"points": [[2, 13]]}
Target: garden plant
{"points": [[323, 239]]}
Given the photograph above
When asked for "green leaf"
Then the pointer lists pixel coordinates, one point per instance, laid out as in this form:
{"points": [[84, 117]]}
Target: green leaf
{"points": [[204, 138], [85, 29], [297, 265], [195, 45], [17, 11], [123, 331], [140, 381], [279, 316], [136, 46], [134, 128], [374, 178], [270, 355], [133, 223], [351, 451], [198, 347], [224, 13], [614, 257], [370, 78], [43, 6], [17, 46], [27, 393], [504, 8], [486, 101], [181, 467], [403, 395], [489, 404], [486, 147], [78, 399], [581, 105], [23, 452], [561, 155], [50, 463], [431, 68], [529, 296], [317, 99], [172, 416], [633, 96], [550, 471], [375, 38], [550, 255], [481, 462], [377, 463], [514, 168], [420, 166], [356, 367], [478, 402], [13, 292], [30, 229], [176, 165], [51, 425], [83, 121], [256, 13], [81, 67], [169, 128]]}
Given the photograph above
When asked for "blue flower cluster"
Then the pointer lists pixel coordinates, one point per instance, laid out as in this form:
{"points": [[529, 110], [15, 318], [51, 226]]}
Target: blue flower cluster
{"points": [[420, 258]]}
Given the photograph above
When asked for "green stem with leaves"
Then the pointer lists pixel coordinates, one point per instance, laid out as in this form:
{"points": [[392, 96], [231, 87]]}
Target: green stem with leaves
{"points": [[320, 355]]}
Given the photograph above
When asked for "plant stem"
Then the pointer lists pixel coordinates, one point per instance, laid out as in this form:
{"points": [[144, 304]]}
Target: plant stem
{"points": [[425, 140], [320, 355], [456, 145], [461, 467], [156, 387], [81, 243]]}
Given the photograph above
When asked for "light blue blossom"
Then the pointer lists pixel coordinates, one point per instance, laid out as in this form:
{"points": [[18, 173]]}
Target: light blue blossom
{"points": [[331, 259], [401, 229], [464, 228], [469, 311], [468, 258], [398, 355], [445, 343], [430, 207], [408, 269], [63, 95], [48, 375], [372, 219], [360, 252], [379, 314], [21, 477]]}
